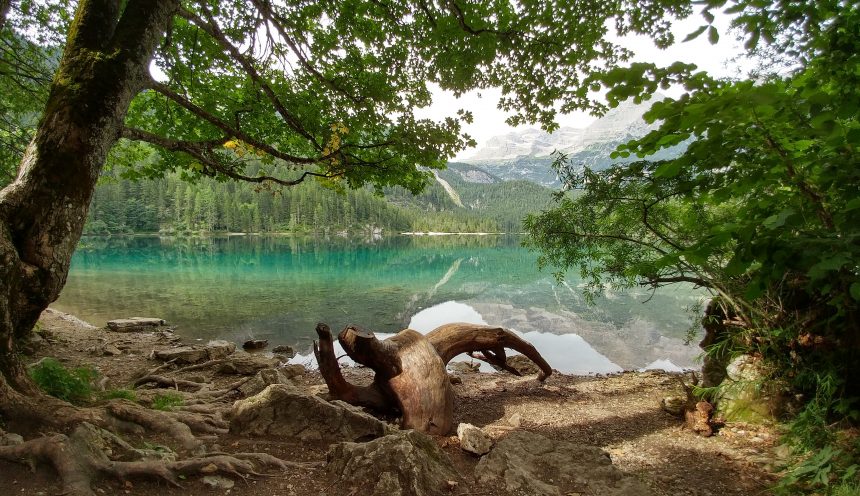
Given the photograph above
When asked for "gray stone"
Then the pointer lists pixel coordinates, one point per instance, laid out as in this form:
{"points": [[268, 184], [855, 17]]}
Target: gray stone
{"points": [[10, 439], [283, 410], [213, 350], [674, 405], [218, 482], [521, 364], [464, 367], [525, 463], [135, 324], [473, 439], [407, 463], [285, 350], [261, 381], [111, 350], [293, 370], [247, 364]]}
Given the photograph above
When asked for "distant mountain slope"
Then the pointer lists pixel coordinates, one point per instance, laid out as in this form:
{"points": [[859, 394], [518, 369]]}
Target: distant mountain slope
{"points": [[526, 154], [473, 192]]}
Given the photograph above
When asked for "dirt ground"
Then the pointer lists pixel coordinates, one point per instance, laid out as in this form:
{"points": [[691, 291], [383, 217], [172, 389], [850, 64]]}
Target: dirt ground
{"points": [[620, 413]]}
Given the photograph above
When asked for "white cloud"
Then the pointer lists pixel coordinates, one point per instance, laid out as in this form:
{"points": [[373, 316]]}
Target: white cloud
{"points": [[717, 59]]}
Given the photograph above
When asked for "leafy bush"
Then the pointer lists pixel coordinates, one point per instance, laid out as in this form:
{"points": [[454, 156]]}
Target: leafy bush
{"points": [[166, 401], [74, 386]]}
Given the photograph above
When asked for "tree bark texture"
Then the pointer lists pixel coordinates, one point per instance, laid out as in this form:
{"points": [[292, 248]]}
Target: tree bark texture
{"points": [[42, 213], [410, 368]]}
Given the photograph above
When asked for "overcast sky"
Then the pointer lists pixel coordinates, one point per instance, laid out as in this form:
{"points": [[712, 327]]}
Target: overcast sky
{"points": [[490, 121]]}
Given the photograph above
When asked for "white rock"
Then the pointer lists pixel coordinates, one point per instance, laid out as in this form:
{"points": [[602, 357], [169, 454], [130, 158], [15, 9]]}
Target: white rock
{"points": [[218, 482], [473, 439]]}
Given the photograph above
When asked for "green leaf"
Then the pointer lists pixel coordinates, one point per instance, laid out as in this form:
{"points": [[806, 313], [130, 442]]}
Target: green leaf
{"points": [[855, 291], [695, 34], [830, 264], [713, 35], [669, 169], [778, 220]]}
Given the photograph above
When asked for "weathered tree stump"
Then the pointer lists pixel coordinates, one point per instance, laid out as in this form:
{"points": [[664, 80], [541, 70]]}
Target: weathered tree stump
{"points": [[410, 368]]}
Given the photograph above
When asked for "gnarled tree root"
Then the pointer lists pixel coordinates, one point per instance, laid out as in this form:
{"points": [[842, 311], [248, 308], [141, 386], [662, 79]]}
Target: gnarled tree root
{"points": [[410, 368], [80, 460]]}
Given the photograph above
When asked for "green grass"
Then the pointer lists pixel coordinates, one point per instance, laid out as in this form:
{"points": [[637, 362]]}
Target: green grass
{"points": [[166, 402], [74, 386], [124, 394]]}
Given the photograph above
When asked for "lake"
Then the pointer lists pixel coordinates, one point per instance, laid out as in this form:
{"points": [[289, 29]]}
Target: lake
{"points": [[279, 287]]}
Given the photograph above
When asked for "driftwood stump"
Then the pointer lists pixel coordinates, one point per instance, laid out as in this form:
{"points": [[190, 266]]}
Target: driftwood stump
{"points": [[410, 375]]}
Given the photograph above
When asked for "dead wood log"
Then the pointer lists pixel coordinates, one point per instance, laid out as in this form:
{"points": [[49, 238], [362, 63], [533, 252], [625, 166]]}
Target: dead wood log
{"points": [[451, 340], [370, 396], [410, 368]]}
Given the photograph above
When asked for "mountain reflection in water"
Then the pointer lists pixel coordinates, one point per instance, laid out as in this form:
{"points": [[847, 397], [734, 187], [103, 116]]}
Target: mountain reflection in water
{"points": [[279, 287]]}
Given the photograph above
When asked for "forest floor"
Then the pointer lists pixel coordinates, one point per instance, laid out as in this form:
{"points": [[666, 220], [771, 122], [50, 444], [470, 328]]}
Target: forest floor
{"points": [[620, 413]]}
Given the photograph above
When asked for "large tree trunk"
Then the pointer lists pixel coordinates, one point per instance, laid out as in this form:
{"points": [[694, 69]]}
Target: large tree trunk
{"points": [[42, 213], [411, 377]]}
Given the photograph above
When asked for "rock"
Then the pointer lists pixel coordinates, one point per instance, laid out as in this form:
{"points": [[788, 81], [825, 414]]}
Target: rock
{"points": [[464, 367], [407, 463], [285, 350], [111, 350], [255, 344], [746, 396], [218, 482], [522, 364], [525, 463], [674, 405], [135, 324], [473, 439], [247, 364], [10, 439], [213, 350], [455, 379], [282, 410], [293, 370], [514, 420], [261, 381]]}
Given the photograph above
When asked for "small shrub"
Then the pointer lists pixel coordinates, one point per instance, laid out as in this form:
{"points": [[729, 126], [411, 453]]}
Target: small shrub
{"points": [[166, 402], [124, 394], [74, 386]]}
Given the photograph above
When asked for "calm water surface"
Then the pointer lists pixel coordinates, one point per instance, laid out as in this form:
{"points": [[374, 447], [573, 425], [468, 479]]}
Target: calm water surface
{"points": [[278, 288]]}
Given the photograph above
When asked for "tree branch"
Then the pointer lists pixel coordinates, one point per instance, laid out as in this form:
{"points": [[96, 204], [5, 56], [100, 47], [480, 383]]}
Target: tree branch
{"points": [[227, 128], [203, 151], [211, 28]]}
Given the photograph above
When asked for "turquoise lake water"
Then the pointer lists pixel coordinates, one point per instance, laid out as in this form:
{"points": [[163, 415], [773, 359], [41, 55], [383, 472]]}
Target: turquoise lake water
{"points": [[279, 287]]}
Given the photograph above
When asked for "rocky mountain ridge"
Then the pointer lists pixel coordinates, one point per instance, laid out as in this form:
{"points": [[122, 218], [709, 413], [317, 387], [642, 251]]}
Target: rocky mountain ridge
{"points": [[527, 154]]}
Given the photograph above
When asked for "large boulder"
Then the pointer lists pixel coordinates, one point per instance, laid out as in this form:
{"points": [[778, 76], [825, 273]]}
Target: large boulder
{"points": [[261, 381], [407, 463], [135, 324], [186, 355], [282, 410], [528, 464], [247, 364], [746, 395]]}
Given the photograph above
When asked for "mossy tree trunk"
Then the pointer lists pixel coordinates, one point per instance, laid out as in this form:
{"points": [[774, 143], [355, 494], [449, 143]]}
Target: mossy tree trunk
{"points": [[42, 213]]}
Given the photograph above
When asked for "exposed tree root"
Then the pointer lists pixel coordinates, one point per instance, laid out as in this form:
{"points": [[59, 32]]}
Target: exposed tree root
{"points": [[154, 421], [410, 368], [170, 382], [452, 339], [80, 460]]}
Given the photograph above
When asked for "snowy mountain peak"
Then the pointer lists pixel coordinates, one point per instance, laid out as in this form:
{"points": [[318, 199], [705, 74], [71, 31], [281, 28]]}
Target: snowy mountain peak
{"points": [[620, 123]]}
